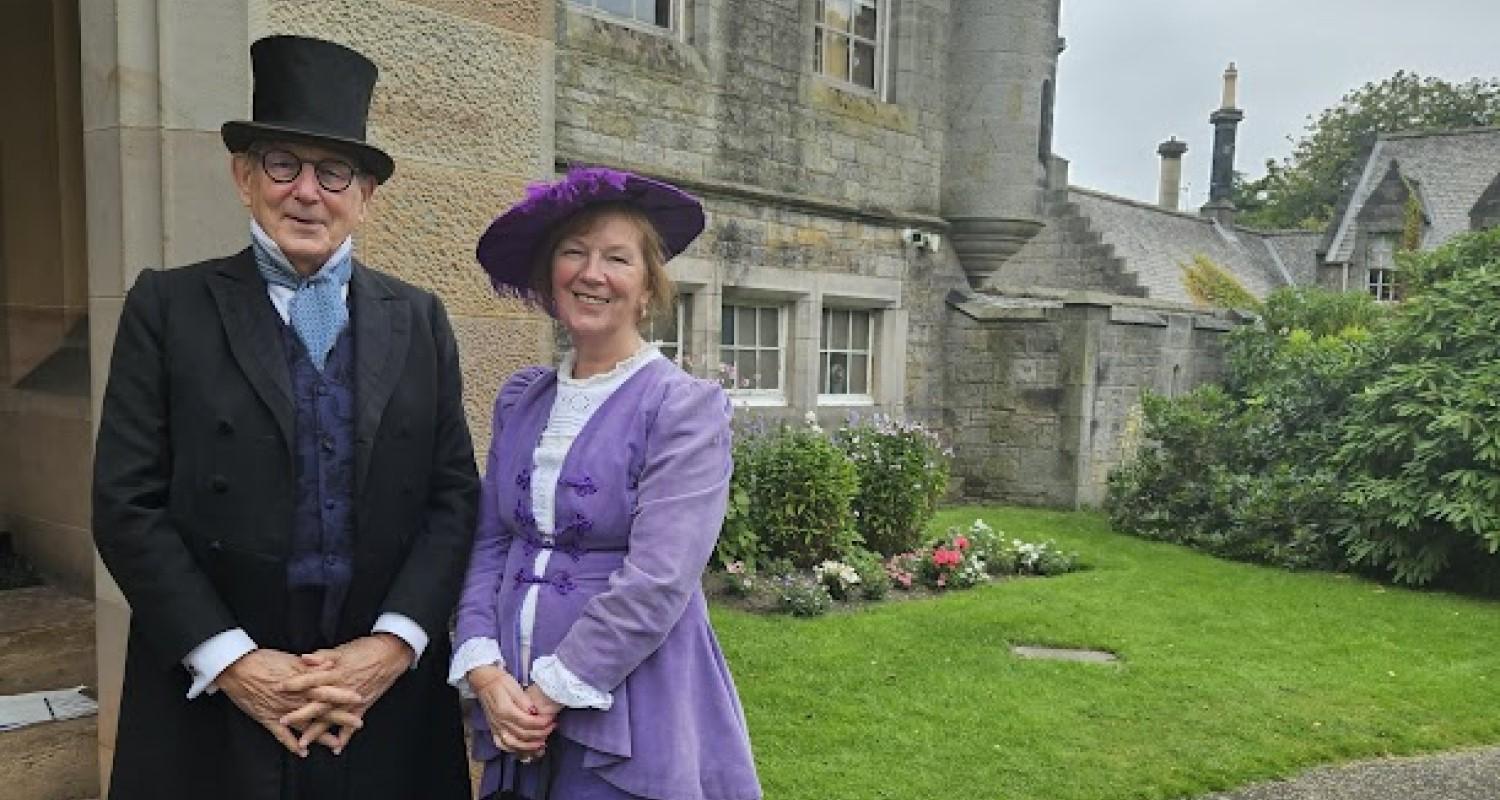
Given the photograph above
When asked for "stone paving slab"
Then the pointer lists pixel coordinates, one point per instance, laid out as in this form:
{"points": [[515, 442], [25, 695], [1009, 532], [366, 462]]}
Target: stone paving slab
{"points": [[47, 642], [1463, 775]]}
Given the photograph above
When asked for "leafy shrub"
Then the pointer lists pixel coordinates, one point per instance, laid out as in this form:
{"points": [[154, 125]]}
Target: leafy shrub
{"points": [[738, 543], [790, 498], [903, 473], [1243, 471], [874, 582], [802, 596], [1421, 443], [1167, 490]]}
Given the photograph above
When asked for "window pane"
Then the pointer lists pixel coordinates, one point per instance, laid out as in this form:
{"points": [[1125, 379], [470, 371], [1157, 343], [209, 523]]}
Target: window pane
{"points": [[864, 21], [864, 65], [823, 374], [836, 14], [621, 7], [859, 375], [726, 325], [836, 56], [770, 328], [861, 321], [744, 364], [838, 373], [840, 338], [664, 13], [770, 369], [744, 326]]}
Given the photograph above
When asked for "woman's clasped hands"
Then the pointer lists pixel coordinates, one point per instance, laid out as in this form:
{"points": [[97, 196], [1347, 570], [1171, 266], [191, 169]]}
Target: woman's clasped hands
{"points": [[520, 719]]}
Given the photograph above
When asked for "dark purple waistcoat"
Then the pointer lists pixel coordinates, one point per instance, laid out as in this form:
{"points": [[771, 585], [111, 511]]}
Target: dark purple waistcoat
{"points": [[322, 552]]}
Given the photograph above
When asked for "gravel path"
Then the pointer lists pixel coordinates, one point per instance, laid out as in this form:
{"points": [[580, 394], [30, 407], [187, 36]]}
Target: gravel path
{"points": [[1464, 775]]}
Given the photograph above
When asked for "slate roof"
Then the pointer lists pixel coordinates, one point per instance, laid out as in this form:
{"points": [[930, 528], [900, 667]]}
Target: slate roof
{"points": [[1453, 168], [1155, 242], [1297, 251]]}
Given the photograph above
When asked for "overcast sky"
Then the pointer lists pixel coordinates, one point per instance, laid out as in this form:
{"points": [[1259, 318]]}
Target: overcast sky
{"points": [[1138, 71]]}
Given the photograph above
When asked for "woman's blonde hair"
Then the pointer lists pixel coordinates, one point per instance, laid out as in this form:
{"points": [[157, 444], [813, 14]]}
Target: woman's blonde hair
{"points": [[661, 292]]}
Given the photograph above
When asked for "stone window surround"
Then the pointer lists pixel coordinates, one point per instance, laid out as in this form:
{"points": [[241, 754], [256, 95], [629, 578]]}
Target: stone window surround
{"points": [[883, 49], [804, 294]]}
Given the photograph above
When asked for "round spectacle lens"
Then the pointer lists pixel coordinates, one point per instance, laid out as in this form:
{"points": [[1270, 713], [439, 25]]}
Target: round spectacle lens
{"points": [[283, 166]]}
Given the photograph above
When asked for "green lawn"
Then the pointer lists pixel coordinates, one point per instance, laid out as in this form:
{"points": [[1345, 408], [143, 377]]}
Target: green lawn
{"points": [[1230, 673]]}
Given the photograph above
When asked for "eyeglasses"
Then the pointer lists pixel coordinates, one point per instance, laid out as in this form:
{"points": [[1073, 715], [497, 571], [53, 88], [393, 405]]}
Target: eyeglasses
{"points": [[283, 166]]}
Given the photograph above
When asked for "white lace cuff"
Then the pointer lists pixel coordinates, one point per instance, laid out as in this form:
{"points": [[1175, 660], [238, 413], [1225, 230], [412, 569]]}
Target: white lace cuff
{"points": [[475, 652], [560, 684]]}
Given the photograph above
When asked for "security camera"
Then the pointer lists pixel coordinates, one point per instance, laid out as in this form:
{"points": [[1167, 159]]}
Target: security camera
{"points": [[922, 240]]}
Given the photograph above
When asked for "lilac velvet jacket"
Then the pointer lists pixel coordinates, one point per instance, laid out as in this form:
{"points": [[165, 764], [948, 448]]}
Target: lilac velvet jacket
{"points": [[639, 504]]}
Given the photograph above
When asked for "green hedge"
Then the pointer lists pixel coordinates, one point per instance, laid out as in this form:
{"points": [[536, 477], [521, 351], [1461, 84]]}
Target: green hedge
{"points": [[1348, 435]]}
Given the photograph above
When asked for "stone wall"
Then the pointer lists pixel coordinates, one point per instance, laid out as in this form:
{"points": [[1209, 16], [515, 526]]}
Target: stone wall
{"points": [[734, 97], [1004, 409], [1042, 398], [808, 182]]}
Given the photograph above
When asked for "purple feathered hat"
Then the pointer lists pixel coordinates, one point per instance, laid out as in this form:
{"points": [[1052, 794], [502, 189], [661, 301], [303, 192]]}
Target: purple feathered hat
{"points": [[508, 248]]}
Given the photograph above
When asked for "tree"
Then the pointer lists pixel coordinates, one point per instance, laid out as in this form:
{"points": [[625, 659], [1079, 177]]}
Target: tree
{"points": [[1302, 190]]}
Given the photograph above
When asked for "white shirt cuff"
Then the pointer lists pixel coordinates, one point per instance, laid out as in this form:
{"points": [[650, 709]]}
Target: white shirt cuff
{"points": [[405, 629], [476, 652], [559, 683], [208, 660]]}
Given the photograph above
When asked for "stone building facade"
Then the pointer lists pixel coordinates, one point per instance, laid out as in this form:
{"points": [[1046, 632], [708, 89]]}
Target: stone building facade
{"points": [[888, 198]]}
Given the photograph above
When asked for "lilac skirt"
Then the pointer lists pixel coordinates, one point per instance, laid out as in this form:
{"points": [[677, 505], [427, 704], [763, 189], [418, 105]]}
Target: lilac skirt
{"points": [[559, 776]]}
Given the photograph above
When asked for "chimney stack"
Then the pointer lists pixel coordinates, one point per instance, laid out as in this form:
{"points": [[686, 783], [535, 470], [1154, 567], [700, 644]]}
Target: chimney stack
{"points": [[1171, 173], [1225, 121]]}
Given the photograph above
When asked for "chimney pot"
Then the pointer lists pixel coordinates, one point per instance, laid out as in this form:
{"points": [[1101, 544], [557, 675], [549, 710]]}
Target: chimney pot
{"points": [[1169, 192]]}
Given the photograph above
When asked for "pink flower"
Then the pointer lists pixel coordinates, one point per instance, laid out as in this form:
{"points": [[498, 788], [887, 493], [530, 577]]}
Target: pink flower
{"points": [[961, 542]]}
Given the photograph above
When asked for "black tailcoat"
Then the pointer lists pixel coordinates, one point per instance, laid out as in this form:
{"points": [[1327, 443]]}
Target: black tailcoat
{"points": [[193, 502]]}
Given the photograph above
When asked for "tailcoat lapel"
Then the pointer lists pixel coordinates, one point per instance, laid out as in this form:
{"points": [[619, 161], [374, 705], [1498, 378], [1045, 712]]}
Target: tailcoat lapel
{"points": [[382, 331], [254, 340]]}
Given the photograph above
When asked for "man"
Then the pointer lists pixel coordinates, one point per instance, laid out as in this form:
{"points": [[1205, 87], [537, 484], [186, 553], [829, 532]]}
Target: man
{"points": [[284, 485]]}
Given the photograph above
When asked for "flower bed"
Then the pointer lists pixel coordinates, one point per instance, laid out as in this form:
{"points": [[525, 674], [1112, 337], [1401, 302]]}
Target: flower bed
{"points": [[962, 558]]}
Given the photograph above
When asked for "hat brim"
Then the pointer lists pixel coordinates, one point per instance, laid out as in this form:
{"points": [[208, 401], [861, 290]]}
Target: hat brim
{"points": [[509, 248], [238, 135]]}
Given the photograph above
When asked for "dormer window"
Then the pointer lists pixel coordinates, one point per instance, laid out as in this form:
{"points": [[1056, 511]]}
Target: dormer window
{"points": [[1380, 268]]}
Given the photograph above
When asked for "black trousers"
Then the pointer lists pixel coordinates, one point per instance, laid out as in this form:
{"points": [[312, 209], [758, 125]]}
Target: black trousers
{"points": [[322, 775]]}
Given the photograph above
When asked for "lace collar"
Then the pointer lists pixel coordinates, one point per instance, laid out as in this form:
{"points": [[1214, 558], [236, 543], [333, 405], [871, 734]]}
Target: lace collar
{"points": [[620, 371]]}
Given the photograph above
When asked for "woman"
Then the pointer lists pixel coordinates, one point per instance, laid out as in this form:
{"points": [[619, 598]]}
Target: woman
{"points": [[582, 628]]}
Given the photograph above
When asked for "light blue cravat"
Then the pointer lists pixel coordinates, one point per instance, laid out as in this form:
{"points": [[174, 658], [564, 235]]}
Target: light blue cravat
{"points": [[317, 310]]}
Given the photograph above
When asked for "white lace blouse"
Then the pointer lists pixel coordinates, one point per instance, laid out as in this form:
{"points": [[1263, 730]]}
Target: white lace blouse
{"points": [[575, 403]]}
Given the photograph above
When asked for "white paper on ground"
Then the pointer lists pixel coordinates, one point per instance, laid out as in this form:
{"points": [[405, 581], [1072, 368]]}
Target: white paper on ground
{"points": [[20, 710]]}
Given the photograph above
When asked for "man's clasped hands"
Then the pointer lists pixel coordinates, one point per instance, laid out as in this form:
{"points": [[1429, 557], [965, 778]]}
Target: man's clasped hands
{"points": [[319, 697]]}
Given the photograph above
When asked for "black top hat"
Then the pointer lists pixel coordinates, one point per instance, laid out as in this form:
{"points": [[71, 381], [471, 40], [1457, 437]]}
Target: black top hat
{"points": [[313, 91]]}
